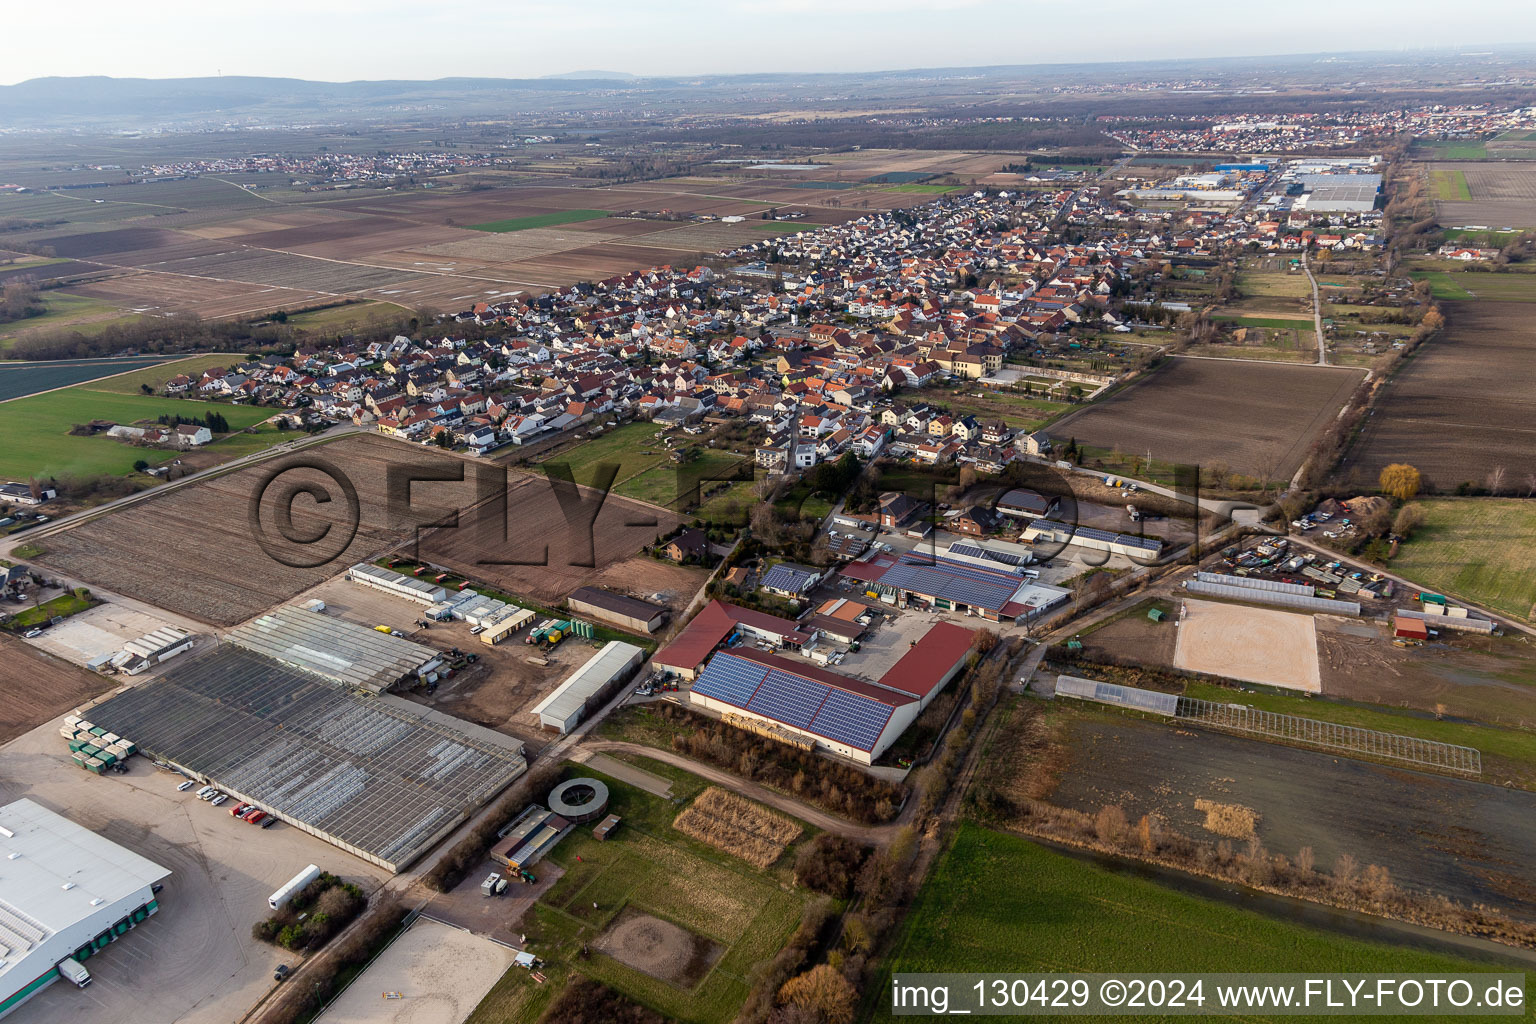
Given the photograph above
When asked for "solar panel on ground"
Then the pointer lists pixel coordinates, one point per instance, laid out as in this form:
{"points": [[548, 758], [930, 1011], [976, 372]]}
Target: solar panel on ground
{"points": [[851, 719], [792, 700]]}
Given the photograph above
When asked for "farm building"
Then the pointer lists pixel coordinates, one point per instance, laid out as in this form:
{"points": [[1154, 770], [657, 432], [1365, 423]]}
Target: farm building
{"points": [[569, 702], [391, 582], [991, 553], [151, 649], [1025, 504], [340, 651], [378, 776], [847, 716], [616, 609], [717, 623], [1409, 629], [951, 585], [66, 893], [533, 834], [790, 580], [1051, 532]]}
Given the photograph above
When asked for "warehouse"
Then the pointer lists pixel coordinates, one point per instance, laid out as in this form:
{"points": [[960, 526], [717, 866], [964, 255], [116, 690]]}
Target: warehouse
{"points": [[151, 649], [951, 585], [717, 624], [570, 701], [1144, 549], [378, 776], [616, 609], [847, 716], [391, 582], [338, 650], [65, 893]]}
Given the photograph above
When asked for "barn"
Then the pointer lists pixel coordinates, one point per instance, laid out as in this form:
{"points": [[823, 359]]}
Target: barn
{"points": [[629, 613]]}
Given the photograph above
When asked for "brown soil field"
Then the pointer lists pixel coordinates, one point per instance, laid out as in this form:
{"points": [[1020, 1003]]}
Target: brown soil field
{"points": [[193, 550], [1257, 418], [659, 948], [37, 687], [1496, 181], [150, 292], [1135, 637], [1462, 405], [1462, 675], [538, 554], [1465, 840]]}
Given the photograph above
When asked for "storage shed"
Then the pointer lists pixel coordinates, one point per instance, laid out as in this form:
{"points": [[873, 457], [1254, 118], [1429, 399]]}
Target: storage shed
{"points": [[569, 702], [617, 609], [1409, 629]]}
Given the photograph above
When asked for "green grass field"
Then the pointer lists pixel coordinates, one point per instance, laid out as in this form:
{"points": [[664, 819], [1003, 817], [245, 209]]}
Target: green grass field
{"points": [[1481, 549], [39, 443], [1274, 284], [156, 376], [347, 315], [1450, 185], [1019, 411], [1278, 323], [1493, 238], [649, 866], [998, 902], [542, 220], [1450, 284], [75, 312], [634, 446], [668, 485], [1452, 149], [1511, 744]]}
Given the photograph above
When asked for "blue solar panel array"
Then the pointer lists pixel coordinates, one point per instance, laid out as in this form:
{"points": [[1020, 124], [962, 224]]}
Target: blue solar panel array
{"points": [[730, 679], [854, 720], [976, 551], [824, 710], [955, 581], [789, 699], [782, 577]]}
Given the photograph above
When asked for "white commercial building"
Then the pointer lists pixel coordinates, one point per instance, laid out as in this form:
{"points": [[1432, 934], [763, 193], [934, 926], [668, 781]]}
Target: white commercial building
{"points": [[65, 893], [564, 708]]}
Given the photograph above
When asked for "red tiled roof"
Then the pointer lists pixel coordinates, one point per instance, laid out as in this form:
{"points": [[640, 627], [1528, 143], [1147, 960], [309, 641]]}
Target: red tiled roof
{"points": [[921, 668], [691, 646]]}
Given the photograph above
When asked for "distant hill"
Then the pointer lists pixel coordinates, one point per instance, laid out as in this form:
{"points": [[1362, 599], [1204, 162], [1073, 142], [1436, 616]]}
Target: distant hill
{"points": [[594, 76]]}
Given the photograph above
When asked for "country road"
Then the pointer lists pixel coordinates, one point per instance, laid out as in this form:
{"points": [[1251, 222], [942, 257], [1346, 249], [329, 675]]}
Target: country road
{"points": [[1317, 311]]}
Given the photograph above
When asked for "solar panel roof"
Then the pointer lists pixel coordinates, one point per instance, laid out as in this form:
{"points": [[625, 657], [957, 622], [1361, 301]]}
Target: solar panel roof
{"points": [[786, 695], [954, 581]]}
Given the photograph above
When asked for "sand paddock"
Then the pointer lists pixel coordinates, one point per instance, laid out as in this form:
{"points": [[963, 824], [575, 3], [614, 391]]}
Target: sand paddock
{"points": [[659, 948], [441, 973], [1256, 645]]}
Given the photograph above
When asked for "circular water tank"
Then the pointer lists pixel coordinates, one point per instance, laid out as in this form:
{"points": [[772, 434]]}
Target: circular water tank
{"points": [[579, 800]]}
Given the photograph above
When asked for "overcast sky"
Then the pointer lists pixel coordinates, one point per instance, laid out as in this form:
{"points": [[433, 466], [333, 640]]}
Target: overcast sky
{"points": [[342, 40]]}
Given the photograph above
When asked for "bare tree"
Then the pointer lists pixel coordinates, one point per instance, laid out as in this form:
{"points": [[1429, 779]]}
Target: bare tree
{"points": [[1496, 479], [1530, 484]]}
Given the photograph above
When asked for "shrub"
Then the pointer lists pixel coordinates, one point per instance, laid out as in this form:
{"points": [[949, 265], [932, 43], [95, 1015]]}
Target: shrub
{"points": [[829, 864]]}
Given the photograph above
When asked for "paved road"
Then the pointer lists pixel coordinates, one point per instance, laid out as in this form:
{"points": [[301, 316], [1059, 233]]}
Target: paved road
{"points": [[1317, 311], [877, 834]]}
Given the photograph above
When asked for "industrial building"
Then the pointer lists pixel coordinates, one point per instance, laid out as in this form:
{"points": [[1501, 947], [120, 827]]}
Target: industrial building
{"points": [[971, 587], [847, 716], [376, 775], [616, 609], [1128, 544], [335, 649], [147, 651], [398, 584], [717, 624], [65, 894], [570, 701], [533, 834]]}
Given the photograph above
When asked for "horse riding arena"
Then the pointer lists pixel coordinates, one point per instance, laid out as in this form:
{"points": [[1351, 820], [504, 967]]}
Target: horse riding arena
{"points": [[1256, 645]]}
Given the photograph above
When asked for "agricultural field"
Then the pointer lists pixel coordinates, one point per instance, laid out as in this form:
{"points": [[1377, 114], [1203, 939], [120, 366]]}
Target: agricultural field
{"points": [[1256, 418], [208, 564], [1448, 836], [1449, 184], [542, 220], [1480, 549], [38, 426], [1464, 285], [20, 379], [1019, 411], [738, 826], [37, 687], [672, 923], [1274, 284], [66, 311], [595, 542], [1000, 902], [1459, 409], [156, 376], [1451, 149], [1495, 195]]}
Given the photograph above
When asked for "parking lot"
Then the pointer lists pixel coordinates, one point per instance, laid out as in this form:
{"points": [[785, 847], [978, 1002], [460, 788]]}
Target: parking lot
{"points": [[194, 961], [103, 630]]}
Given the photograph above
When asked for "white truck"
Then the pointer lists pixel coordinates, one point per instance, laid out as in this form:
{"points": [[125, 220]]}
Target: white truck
{"points": [[488, 887], [74, 971], [292, 887]]}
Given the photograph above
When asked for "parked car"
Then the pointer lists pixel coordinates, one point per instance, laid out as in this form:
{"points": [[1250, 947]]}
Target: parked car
{"points": [[476, 630], [206, 793], [216, 801], [283, 970], [268, 821], [185, 786], [33, 633], [239, 809], [256, 817]]}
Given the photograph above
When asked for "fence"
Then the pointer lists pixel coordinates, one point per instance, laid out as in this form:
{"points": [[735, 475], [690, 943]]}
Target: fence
{"points": [[1330, 736], [1280, 600]]}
